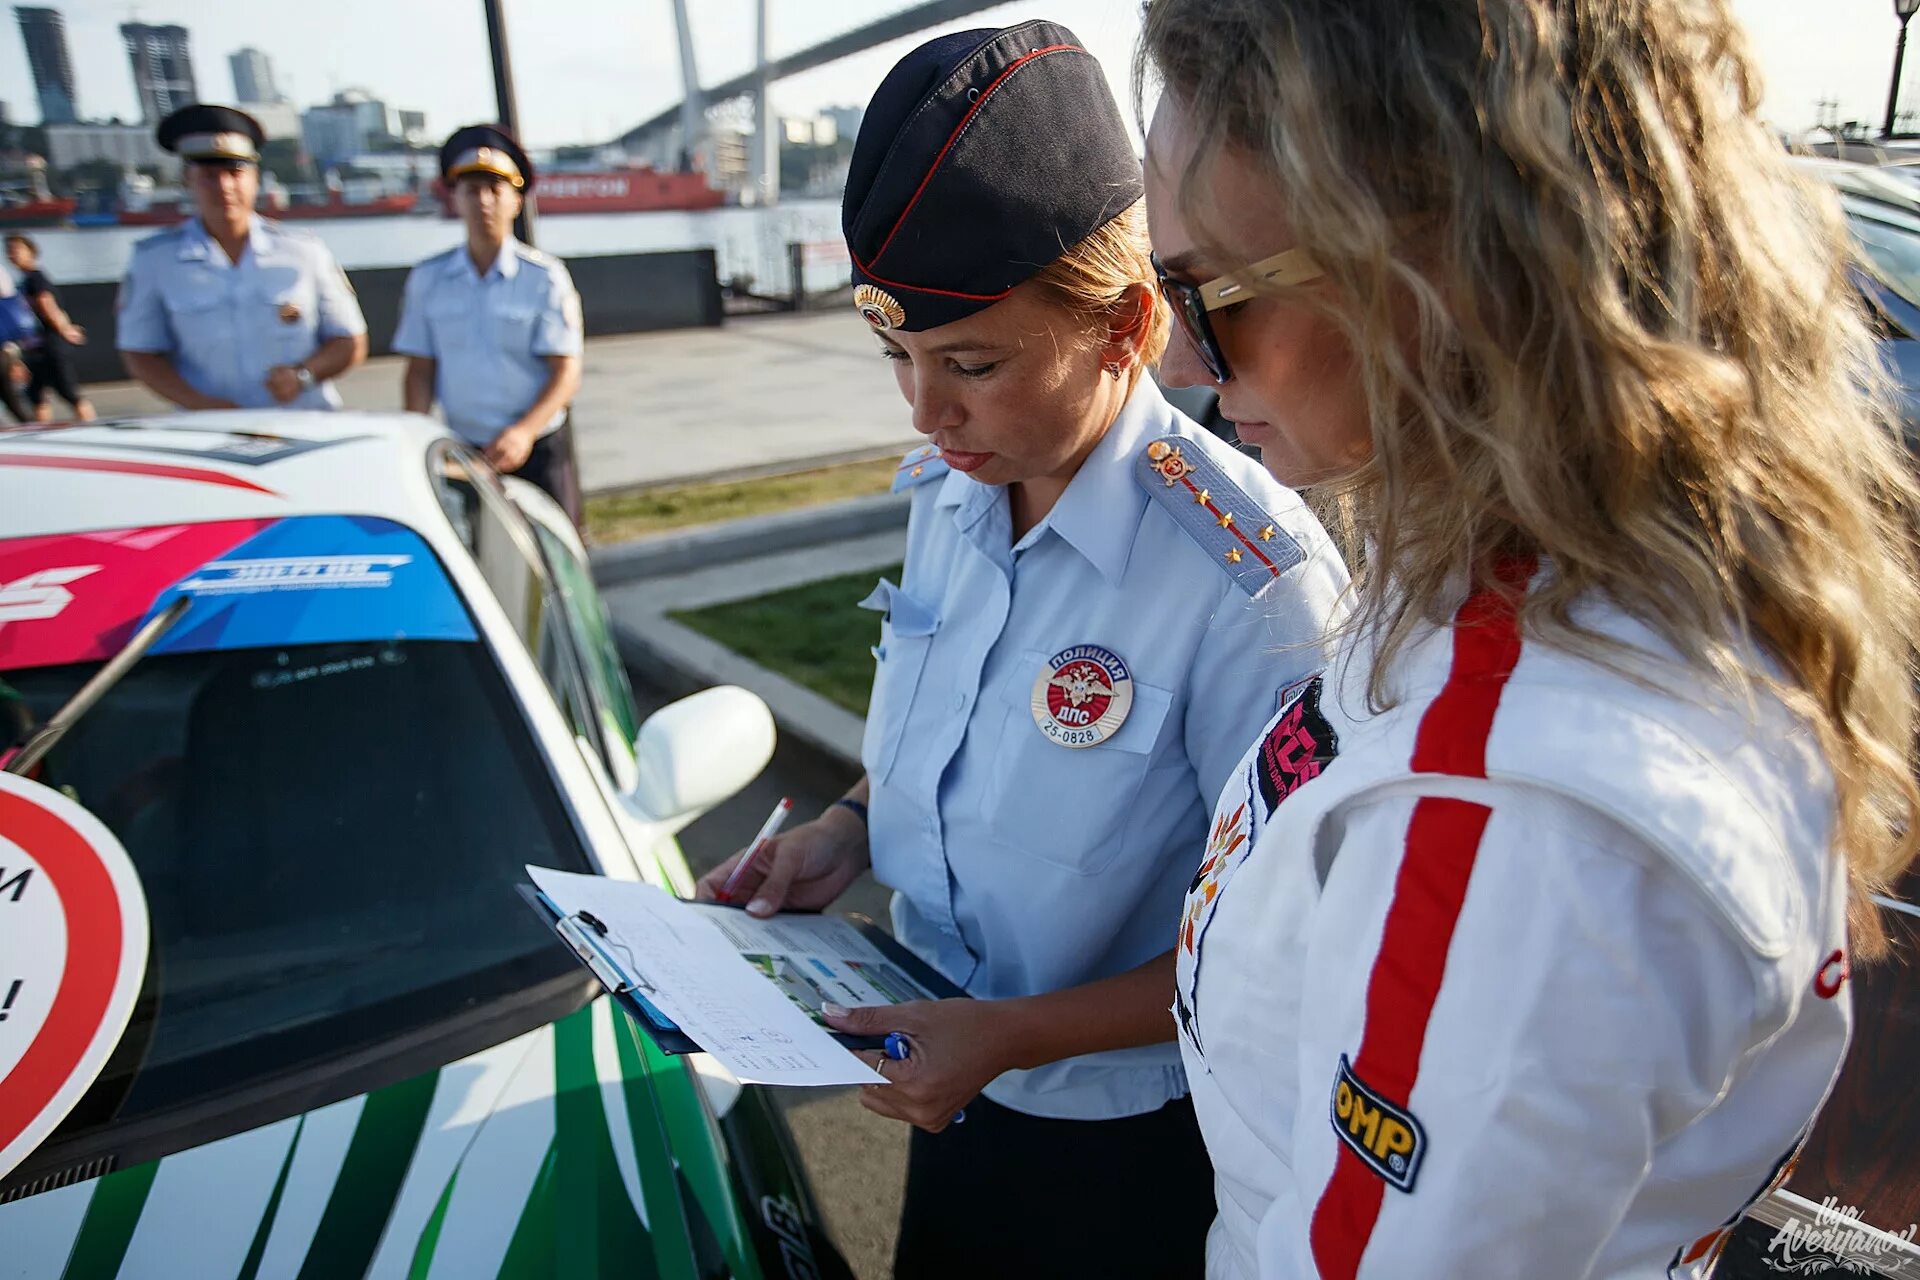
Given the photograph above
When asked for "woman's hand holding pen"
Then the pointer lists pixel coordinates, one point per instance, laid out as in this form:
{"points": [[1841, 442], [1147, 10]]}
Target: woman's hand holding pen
{"points": [[804, 869], [958, 1046]]}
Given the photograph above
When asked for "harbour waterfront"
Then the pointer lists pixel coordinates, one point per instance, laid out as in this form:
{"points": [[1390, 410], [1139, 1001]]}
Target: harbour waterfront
{"points": [[747, 242]]}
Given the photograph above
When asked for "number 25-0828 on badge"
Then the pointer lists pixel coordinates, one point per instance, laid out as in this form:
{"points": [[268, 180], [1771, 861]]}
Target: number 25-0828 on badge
{"points": [[1082, 695]]}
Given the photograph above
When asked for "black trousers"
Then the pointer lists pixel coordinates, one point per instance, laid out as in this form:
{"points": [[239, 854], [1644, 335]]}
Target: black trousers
{"points": [[550, 466], [48, 371], [1009, 1194]]}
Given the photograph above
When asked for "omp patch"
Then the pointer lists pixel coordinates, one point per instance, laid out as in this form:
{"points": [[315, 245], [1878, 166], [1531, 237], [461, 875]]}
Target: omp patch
{"points": [[1386, 1137], [1299, 745]]}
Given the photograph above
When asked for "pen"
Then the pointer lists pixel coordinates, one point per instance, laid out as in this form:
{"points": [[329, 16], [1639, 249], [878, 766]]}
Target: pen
{"points": [[767, 831], [899, 1048]]}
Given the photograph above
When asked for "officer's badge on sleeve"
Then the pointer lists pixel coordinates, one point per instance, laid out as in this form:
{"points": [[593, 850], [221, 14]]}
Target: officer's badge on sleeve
{"points": [[1387, 1138]]}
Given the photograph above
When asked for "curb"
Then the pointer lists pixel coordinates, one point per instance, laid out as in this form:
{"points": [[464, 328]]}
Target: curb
{"points": [[681, 551]]}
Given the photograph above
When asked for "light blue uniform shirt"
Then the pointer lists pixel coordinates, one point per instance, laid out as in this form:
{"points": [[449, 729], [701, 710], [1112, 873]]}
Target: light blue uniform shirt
{"points": [[224, 323], [490, 335], [1021, 866]]}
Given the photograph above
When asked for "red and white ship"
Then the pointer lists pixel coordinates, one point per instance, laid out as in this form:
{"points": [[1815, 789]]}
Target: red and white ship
{"points": [[638, 189]]}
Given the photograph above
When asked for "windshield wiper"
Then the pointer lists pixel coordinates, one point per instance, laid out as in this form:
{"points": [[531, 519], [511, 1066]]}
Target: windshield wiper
{"points": [[48, 735]]}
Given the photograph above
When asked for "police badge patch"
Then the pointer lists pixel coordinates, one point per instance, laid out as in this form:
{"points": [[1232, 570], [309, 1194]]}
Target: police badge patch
{"points": [[1082, 695]]}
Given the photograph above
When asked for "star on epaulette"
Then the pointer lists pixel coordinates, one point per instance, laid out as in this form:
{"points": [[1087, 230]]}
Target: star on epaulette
{"points": [[918, 467], [1204, 501]]}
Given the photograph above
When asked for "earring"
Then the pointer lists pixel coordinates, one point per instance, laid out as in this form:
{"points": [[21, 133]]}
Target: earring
{"points": [[1113, 368]]}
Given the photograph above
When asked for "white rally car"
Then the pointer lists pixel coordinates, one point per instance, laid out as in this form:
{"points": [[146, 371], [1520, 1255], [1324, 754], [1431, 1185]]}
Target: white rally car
{"points": [[357, 1051]]}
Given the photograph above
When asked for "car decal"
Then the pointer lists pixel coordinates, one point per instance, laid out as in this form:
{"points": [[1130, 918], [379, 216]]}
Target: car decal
{"points": [[128, 467], [363, 1195], [241, 449], [595, 1217], [112, 1214], [318, 1152], [254, 583], [543, 1156], [250, 1266], [180, 1233]]}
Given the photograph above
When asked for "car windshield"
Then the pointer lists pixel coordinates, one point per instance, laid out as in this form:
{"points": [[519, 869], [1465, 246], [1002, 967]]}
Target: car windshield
{"points": [[328, 833]]}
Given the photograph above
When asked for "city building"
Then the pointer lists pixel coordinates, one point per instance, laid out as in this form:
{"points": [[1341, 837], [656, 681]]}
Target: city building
{"points": [[128, 146], [277, 119], [44, 32], [162, 68], [808, 131], [356, 122], [846, 120], [253, 82]]}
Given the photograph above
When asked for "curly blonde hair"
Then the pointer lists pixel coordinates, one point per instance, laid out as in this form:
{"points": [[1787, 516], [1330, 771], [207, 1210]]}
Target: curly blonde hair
{"points": [[1635, 346]]}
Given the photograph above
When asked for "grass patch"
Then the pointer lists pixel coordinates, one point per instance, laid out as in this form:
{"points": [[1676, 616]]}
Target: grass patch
{"points": [[814, 635], [615, 517]]}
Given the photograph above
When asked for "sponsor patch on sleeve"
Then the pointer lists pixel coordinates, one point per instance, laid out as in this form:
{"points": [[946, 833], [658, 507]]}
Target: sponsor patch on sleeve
{"points": [[1386, 1137]]}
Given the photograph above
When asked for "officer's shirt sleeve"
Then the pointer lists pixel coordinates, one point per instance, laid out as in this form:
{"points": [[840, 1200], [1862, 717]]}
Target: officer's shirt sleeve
{"points": [[1547, 999], [413, 336], [559, 331], [140, 315], [339, 310], [1252, 651]]}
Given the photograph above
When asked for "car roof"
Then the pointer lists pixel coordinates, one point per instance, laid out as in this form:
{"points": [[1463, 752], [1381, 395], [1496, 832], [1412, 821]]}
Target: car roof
{"points": [[240, 464]]}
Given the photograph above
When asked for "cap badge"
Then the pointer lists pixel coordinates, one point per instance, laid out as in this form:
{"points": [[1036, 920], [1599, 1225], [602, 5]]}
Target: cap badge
{"points": [[879, 308], [1168, 461], [1082, 695], [289, 313]]}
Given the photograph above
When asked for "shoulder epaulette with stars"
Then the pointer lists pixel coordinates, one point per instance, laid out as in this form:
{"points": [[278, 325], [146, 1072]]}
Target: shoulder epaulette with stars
{"points": [[1237, 533], [918, 467]]}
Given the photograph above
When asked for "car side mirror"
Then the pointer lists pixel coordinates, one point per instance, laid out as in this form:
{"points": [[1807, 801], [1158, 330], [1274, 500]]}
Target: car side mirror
{"points": [[696, 752]]}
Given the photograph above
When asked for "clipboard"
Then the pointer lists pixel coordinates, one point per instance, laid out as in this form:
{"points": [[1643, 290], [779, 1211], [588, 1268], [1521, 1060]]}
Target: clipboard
{"points": [[584, 936]]}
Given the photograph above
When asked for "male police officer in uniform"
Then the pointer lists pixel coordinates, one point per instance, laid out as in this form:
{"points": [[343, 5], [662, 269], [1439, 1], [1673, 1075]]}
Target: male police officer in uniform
{"points": [[229, 309], [492, 329]]}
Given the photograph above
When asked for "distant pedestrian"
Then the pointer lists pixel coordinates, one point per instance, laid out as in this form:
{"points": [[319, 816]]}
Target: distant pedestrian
{"points": [[18, 331], [231, 310], [492, 329], [47, 365]]}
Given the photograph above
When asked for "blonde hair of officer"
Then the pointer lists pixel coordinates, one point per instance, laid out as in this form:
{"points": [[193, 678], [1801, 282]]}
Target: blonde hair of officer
{"points": [[1622, 337], [1095, 280]]}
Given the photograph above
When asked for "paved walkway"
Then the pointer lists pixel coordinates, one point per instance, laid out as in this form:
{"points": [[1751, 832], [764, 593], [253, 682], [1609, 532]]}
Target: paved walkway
{"points": [[758, 395]]}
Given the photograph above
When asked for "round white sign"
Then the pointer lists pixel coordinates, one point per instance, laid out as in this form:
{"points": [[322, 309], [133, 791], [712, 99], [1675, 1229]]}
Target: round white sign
{"points": [[73, 952]]}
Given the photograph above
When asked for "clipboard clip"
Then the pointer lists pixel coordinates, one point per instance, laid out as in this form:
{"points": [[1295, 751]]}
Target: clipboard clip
{"points": [[581, 931]]}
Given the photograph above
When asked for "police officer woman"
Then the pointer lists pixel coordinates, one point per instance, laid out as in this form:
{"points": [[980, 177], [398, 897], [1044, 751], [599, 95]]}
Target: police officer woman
{"points": [[1542, 969], [1100, 605], [230, 309]]}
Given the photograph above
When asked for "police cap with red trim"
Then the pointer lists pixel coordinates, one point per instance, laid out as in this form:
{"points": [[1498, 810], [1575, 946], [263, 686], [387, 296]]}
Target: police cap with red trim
{"points": [[982, 158]]}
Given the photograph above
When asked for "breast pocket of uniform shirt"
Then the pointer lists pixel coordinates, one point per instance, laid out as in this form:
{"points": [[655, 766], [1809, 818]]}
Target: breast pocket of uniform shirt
{"points": [[1068, 806], [907, 628], [197, 313], [513, 328], [285, 305]]}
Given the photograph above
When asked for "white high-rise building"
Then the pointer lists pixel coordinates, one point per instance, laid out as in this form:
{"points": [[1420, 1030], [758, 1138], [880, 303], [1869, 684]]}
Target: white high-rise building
{"points": [[253, 81]]}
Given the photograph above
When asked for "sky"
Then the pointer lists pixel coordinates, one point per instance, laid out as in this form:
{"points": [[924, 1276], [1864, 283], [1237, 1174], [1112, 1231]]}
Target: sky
{"points": [[587, 69]]}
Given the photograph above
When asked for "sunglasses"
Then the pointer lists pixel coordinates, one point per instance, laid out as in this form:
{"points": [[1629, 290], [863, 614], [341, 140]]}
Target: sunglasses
{"points": [[1191, 303]]}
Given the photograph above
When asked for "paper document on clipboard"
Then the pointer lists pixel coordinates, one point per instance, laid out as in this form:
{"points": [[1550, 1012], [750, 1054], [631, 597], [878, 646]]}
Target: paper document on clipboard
{"points": [[816, 960], [683, 964]]}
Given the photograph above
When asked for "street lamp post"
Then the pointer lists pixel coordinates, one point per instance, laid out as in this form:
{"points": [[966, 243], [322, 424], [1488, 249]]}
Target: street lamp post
{"points": [[1903, 10], [509, 109]]}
